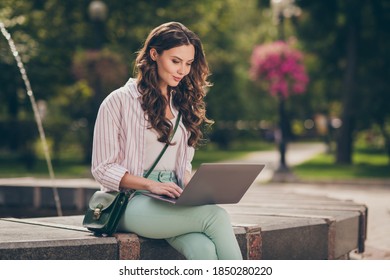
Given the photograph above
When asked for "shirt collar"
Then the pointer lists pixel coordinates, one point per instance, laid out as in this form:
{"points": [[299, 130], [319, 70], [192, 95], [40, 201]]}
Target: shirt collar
{"points": [[132, 89]]}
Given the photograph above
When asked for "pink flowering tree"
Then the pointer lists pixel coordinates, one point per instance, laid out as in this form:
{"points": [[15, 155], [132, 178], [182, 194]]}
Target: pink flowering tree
{"points": [[279, 68]]}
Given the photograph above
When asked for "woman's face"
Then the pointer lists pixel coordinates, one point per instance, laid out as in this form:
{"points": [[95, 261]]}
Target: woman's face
{"points": [[173, 64]]}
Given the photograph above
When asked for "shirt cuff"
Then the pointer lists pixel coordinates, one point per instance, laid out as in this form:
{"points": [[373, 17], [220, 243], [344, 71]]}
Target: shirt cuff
{"points": [[113, 177]]}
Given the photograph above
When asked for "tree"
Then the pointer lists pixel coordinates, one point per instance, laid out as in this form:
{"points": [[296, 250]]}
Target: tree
{"points": [[348, 118], [103, 71], [51, 32], [280, 69], [350, 39]]}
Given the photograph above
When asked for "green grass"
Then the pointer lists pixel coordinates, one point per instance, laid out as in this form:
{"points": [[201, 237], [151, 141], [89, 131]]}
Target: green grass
{"points": [[67, 167], [367, 163], [214, 156], [63, 169], [211, 153]]}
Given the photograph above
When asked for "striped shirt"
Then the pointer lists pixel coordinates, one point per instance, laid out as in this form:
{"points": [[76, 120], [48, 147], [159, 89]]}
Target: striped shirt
{"points": [[119, 139]]}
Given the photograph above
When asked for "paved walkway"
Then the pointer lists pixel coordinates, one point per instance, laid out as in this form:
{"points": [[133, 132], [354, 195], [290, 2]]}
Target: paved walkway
{"points": [[374, 194]]}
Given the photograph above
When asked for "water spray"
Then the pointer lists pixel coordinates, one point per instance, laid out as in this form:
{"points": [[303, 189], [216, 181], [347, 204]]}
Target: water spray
{"points": [[37, 116]]}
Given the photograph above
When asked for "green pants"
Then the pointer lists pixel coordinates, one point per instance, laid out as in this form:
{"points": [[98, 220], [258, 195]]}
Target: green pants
{"points": [[198, 232]]}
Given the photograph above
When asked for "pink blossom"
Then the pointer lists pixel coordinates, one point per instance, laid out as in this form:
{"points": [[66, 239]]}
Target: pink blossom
{"points": [[281, 67]]}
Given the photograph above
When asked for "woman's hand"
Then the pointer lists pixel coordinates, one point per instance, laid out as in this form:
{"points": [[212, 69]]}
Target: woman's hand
{"points": [[169, 189]]}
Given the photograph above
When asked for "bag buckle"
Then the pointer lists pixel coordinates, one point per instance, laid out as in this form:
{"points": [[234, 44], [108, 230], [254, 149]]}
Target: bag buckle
{"points": [[97, 212]]}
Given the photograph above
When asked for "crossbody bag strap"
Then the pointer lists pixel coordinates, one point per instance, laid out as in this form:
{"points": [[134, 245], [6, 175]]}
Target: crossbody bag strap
{"points": [[165, 147]]}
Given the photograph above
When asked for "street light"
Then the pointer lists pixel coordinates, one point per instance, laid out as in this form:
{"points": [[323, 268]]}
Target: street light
{"points": [[97, 11], [282, 9]]}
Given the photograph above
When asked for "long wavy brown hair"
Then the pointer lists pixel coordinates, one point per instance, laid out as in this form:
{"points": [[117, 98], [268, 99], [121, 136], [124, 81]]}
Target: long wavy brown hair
{"points": [[187, 97]]}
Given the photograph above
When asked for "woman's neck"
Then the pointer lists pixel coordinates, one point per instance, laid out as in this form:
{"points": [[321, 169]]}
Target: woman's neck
{"points": [[164, 90], [168, 111]]}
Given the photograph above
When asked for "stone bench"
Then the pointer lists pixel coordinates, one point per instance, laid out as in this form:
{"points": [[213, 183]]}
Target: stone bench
{"points": [[268, 223], [298, 226], [63, 238]]}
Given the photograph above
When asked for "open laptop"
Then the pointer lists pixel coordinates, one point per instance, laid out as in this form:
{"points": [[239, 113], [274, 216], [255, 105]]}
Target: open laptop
{"points": [[216, 183]]}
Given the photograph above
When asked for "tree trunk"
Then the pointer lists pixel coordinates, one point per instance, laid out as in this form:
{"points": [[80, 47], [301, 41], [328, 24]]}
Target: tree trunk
{"points": [[345, 137], [283, 134], [386, 136]]}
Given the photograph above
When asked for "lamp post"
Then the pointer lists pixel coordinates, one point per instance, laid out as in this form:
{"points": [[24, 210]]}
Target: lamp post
{"points": [[97, 11], [282, 9]]}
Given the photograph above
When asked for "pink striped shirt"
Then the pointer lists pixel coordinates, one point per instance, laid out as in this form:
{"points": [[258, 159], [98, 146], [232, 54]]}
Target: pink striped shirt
{"points": [[119, 139]]}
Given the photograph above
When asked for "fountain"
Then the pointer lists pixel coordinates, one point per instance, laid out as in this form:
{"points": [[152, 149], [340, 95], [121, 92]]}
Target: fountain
{"points": [[37, 116]]}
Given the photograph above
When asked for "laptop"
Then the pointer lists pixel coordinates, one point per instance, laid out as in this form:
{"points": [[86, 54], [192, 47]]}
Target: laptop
{"points": [[216, 183]]}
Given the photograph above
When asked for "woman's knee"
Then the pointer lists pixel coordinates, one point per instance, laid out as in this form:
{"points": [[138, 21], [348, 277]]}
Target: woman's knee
{"points": [[218, 213], [194, 246], [202, 251]]}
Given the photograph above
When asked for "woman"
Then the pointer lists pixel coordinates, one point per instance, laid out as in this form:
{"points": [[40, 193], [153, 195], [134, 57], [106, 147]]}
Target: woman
{"points": [[135, 122]]}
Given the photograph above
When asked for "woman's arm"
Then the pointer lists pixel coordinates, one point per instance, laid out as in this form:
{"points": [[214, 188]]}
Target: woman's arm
{"points": [[106, 149], [187, 177], [188, 170]]}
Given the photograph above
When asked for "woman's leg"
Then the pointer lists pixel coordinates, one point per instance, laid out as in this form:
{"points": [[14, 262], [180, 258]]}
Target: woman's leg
{"points": [[194, 246], [152, 218]]}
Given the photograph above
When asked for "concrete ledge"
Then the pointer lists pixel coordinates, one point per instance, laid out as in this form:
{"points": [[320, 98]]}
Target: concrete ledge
{"points": [[62, 238], [22, 241], [269, 224], [133, 247], [317, 222]]}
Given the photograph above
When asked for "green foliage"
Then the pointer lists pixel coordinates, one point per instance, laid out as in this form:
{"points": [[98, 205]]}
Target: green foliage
{"points": [[57, 41]]}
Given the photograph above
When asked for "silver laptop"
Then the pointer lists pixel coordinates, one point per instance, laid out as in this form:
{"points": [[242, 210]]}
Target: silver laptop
{"points": [[216, 183]]}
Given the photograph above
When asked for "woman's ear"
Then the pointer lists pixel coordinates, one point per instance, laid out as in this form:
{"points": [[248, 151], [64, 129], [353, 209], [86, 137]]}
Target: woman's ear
{"points": [[153, 54]]}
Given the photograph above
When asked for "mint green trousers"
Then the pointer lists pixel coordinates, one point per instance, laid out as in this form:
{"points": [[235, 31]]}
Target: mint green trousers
{"points": [[197, 232]]}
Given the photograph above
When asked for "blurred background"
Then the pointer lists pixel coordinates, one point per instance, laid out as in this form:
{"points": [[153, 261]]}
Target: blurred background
{"points": [[76, 52]]}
